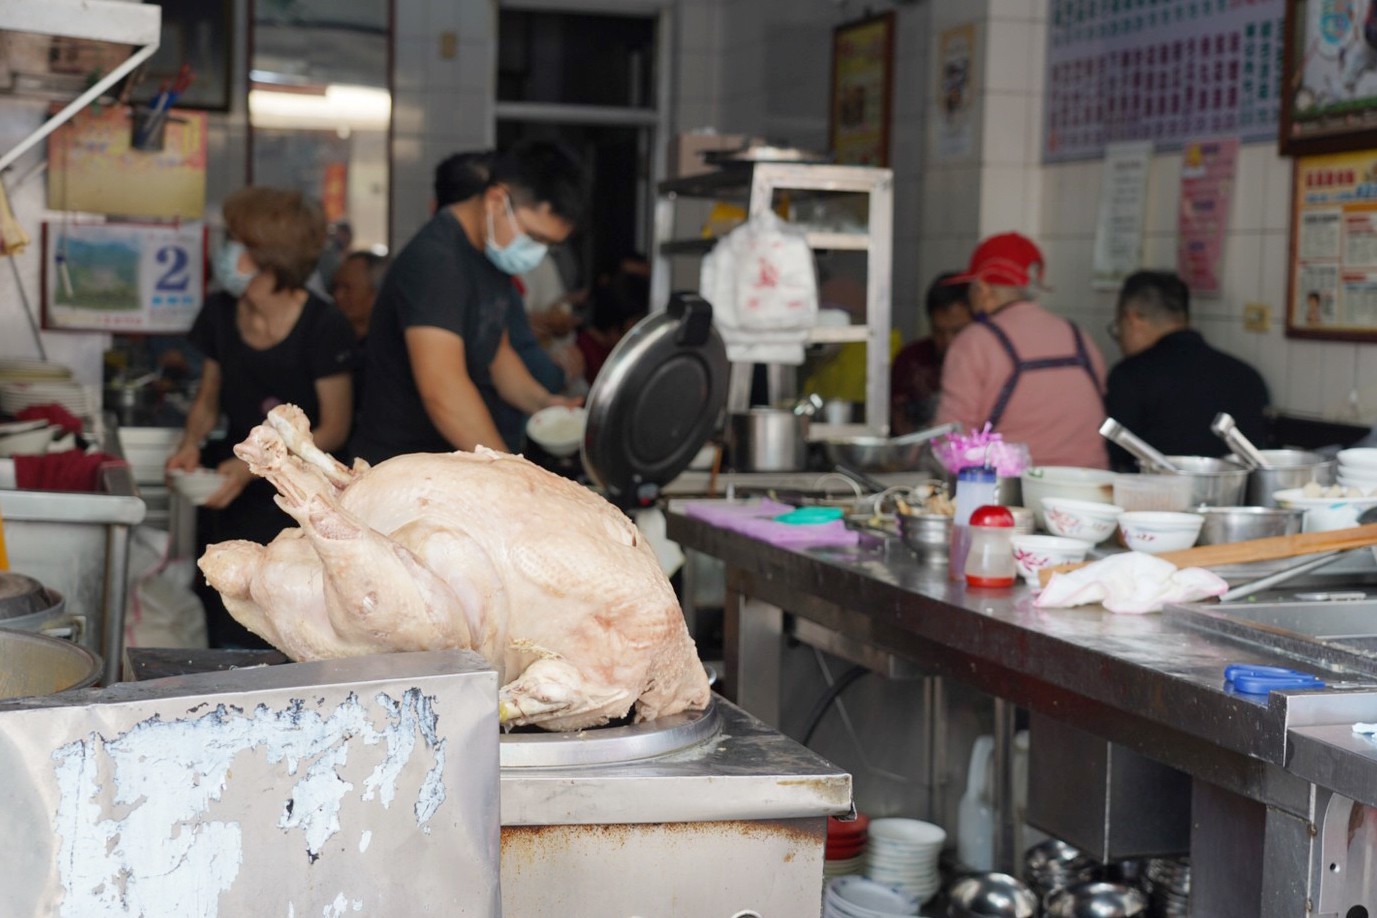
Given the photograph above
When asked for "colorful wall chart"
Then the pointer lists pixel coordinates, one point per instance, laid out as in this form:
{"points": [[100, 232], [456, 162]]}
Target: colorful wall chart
{"points": [[1333, 290], [1160, 70], [122, 277]]}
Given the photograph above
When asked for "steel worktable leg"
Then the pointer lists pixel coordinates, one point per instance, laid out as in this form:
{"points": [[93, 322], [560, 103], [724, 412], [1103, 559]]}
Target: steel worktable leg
{"points": [[753, 645], [1005, 857]]}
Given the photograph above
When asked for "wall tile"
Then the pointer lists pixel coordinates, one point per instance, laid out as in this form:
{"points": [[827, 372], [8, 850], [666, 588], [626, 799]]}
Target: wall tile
{"points": [[477, 18], [1002, 200], [1276, 190], [408, 113], [1303, 391], [476, 68], [1008, 55], [411, 18], [1071, 199], [443, 16], [1241, 279], [697, 26], [1249, 194], [1019, 10], [1273, 273], [1164, 193], [1159, 251], [408, 69], [1005, 127], [1270, 358]]}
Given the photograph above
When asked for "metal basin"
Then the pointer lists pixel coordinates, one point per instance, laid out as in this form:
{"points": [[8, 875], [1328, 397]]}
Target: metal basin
{"points": [[1330, 632], [1239, 524], [32, 664], [1214, 482]]}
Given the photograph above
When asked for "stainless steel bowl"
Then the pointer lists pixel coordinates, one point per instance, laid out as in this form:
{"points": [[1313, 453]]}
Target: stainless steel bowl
{"points": [[928, 535], [874, 454], [1214, 482], [1239, 524], [1292, 468], [1097, 900], [991, 895], [35, 664]]}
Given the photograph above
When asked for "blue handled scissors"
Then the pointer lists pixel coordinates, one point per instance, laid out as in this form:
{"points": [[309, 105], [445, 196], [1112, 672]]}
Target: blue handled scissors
{"points": [[1253, 679]]}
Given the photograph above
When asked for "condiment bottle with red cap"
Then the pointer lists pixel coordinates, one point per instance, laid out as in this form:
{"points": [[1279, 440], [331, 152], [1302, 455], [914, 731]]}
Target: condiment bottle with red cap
{"points": [[990, 559]]}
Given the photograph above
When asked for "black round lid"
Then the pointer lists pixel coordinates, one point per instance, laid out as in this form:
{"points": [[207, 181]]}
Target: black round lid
{"points": [[656, 401]]}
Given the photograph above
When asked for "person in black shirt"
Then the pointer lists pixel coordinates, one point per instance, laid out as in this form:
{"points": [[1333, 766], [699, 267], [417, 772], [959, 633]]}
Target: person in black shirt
{"points": [[1171, 384], [438, 333], [266, 341]]}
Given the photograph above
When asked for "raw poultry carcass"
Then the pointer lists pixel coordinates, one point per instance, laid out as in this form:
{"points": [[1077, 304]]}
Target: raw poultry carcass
{"points": [[483, 551]]}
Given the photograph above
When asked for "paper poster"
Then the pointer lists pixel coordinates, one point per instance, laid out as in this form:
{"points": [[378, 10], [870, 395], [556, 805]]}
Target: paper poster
{"points": [[1123, 206], [1334, 247], [1207, 182], [123, 277], [1159, 70], [93, 169], [956, 92]]}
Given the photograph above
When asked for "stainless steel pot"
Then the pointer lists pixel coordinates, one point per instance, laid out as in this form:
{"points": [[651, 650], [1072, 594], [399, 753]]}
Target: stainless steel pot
{"points": [[768, 440], [33, 664], [880, 454], [1291, 468], [1214, 482]]}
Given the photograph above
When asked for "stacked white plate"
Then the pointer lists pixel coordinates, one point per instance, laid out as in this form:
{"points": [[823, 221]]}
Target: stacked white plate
{"points": [[857, 897], [844, 868], [1358, 469], [16, 368], [903, 853], [16, 395]]}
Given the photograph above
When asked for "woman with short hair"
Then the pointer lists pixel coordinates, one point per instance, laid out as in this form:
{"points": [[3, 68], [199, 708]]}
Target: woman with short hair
{"points": [[267, 341]]}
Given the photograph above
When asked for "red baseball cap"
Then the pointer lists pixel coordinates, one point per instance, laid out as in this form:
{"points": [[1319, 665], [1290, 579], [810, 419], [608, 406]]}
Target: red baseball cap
{"points": [[1005, 260]]}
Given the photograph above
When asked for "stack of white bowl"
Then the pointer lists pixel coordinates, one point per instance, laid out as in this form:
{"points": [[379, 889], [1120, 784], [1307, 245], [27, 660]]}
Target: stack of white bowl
{"points": [[16, 395], [857, 897], [903, 853], [1358, 469]]}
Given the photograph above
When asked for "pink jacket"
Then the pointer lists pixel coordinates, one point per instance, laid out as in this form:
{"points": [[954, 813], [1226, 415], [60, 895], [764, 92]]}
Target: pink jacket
{"points": [[1057, 412]]}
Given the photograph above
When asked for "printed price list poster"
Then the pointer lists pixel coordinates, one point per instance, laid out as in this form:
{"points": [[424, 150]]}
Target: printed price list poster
{"points": [[1334, 247], [1162, 71]]}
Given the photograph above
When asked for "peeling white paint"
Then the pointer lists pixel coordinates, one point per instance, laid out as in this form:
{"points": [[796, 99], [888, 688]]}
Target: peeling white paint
{"points": [[341, 905], [136, 812], [364, 840]]}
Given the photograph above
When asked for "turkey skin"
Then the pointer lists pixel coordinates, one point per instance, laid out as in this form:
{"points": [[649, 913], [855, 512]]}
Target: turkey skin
{"points": [[482, 551]]}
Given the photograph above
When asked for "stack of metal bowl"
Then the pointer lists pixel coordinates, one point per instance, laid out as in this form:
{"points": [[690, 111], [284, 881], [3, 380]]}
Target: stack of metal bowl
{"points": [[1053, 864], [1167, 882], [1097, 900], [991, 895], [1214, 482], [1224, 525], [928, 535]]}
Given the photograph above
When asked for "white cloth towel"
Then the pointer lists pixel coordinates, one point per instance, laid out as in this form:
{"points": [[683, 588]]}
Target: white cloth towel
{"points": [[1131, 583]]}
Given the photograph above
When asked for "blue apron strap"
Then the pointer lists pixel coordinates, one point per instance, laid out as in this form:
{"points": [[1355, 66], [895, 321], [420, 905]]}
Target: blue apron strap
{"points": [[1007, 391]]}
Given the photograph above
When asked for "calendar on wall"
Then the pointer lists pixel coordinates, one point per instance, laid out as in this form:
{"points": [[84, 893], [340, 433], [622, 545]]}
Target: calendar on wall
{"points": [[1163, 71]]}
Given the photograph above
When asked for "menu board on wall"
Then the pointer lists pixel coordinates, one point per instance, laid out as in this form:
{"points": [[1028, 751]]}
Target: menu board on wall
{"points": [[1333, 289], [1159, 70], [1202, 222]]}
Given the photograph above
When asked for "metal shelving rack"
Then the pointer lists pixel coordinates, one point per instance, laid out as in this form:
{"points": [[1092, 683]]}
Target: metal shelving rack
{"points": [[756, 184]]}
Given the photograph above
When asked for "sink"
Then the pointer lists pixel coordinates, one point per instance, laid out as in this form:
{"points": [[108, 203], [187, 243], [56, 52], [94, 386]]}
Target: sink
{"points": [[1334, 631]]}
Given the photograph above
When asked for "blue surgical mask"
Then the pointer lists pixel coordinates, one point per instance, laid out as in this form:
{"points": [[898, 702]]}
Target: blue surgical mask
{"points": [[226, 268], [520, 255]]}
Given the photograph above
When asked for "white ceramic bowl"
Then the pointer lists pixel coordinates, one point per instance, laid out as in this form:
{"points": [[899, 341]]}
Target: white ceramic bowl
{"points": [[1323, 514], [1157, 531], [1086, 520], [29, 442], [1034, 552], [1046, 481], [557, 429], [197, 486], [868, 896], [1364, 458]]}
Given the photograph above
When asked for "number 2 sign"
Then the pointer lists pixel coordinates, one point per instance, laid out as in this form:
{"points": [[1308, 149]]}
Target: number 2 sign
{"points": [[123, 277]]}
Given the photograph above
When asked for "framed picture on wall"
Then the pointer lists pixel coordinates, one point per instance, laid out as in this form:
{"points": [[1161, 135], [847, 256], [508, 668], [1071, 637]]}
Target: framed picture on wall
{"points": [[1329, 77], [199, 34], [1332, 291], [862, 90]]}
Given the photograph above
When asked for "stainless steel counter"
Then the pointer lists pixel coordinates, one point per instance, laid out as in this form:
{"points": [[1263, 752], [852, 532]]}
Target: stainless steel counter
{"points": [[1149, 683]]}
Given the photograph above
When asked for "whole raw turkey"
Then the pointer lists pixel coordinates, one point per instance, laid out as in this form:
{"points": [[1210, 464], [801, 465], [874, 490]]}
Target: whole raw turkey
{"points": [[483, 551]]}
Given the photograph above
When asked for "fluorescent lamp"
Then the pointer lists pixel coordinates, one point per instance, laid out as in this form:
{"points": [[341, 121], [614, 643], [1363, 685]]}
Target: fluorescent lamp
{"points": [[339, 106]]}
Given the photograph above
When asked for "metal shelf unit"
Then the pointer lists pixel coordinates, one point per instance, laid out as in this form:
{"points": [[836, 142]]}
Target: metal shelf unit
{"points": [[755, 186]]}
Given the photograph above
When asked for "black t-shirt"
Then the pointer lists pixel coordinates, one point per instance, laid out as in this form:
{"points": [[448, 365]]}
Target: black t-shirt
{"points": [[254, 381], [1170, 393], [440, 281]]}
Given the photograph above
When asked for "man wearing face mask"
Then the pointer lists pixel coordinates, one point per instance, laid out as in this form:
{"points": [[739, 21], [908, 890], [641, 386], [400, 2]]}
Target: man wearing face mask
{"points": [[438, 329]]}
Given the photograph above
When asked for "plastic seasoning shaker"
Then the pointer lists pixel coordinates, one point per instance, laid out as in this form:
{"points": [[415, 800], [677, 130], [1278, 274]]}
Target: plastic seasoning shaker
{"points": [[990, 559], [975, 487]]}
